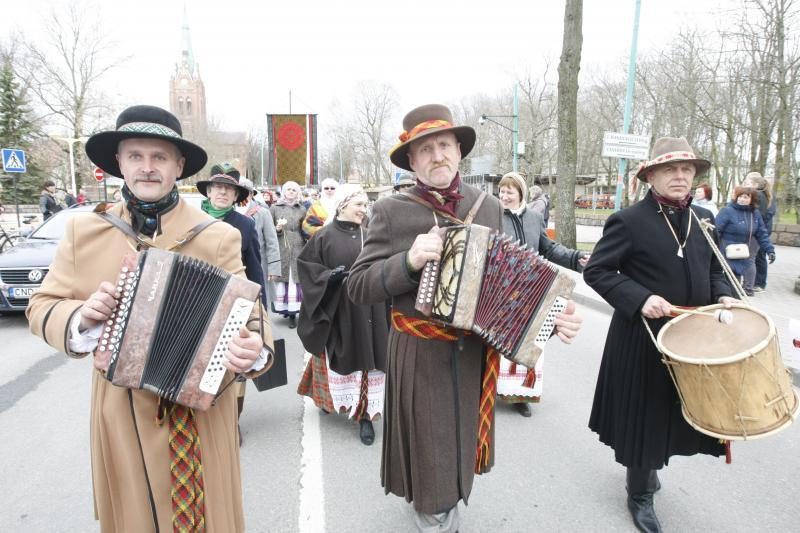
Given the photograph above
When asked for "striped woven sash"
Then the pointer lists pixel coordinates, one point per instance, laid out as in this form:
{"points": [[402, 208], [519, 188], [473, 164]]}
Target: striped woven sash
{"points": [[425, 329]]}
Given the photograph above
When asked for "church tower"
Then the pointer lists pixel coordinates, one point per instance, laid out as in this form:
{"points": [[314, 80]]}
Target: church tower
{"points": [[187, 94]]}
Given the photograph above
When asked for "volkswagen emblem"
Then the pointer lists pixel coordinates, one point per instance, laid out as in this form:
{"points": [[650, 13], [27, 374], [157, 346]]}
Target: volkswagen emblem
{"points": [[35, 275]]}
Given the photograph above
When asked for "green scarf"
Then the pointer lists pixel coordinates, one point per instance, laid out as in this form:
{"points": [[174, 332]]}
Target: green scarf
{"points": [[213, 211]]}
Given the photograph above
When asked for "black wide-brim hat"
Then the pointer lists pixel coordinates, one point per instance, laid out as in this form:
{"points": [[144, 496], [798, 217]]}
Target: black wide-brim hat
{"points": [[148, 122], [241, 190], [672, 150], [428, 120]]}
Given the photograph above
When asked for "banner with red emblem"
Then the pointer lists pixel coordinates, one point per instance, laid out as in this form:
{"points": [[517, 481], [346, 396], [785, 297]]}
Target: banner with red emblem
{"points": [[292, 149]]}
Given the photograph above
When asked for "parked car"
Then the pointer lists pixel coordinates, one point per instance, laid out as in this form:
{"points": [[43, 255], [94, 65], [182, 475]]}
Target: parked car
{"points": [[23, 267], [604, 201]]}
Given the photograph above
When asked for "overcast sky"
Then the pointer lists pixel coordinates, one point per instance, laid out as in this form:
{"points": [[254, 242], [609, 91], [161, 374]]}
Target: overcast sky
{"points": [[251, 54]]}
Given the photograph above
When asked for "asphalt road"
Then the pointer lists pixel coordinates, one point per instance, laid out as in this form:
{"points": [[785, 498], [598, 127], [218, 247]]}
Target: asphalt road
{"points": [[551, 473]]}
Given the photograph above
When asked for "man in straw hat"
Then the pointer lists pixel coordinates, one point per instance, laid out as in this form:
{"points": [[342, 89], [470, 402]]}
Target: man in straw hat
{"points": [[434, 393], [155, 465], [652, 256]]}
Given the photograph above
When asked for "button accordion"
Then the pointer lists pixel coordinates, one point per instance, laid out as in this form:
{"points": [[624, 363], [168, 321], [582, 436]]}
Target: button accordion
{"points": [[170, 330], [504, 292]]}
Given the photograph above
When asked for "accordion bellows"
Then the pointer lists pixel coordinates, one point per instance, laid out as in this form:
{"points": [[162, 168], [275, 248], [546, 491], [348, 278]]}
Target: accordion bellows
{"points": [[171, 328], [488, 284]]}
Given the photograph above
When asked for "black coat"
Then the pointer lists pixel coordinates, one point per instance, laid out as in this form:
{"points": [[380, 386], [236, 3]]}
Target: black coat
{"points": [[356, 335], [251, 254], [636, 407]]}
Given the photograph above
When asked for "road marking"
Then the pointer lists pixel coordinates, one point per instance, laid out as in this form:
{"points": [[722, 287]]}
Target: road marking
{"points": [[311, 518]]}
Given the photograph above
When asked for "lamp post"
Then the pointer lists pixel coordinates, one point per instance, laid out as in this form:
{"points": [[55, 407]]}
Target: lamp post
{"points": [[514, 129], [70, 141]]}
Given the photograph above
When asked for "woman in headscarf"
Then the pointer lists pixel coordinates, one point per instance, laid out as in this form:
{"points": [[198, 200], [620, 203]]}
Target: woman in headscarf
{"points": [[322, 209], [347, 341], [288, 213], [519, 385]]}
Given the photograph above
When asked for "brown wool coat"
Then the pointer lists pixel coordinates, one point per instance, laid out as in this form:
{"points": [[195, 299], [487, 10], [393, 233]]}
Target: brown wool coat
{"points": [[433, 389], [90, 253]]}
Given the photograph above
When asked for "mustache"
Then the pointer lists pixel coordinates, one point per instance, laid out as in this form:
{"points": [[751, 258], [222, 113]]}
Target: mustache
{"points": [[155, 177]]}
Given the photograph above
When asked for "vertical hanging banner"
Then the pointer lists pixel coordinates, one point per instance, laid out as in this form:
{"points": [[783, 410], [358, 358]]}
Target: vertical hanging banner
{"points": [[292, 138], [313, 174]]}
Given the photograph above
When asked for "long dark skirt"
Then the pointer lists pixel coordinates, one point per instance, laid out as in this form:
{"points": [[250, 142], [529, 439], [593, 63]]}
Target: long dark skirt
{"points": [[636, 407]]}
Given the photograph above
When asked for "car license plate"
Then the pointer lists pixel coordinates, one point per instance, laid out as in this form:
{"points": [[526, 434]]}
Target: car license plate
{"points": [[21, 292]]}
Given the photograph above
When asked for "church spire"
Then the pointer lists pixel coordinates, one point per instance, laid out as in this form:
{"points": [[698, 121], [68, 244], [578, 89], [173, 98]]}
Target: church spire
{"points": [[187, 56]]}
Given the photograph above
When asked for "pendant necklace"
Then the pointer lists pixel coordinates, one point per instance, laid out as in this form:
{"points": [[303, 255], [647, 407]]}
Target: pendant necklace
{"points": [[675, 235]]}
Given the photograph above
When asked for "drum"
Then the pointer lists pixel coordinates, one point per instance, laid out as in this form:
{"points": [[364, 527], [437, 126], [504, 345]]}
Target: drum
{"points": [[730, 377]]}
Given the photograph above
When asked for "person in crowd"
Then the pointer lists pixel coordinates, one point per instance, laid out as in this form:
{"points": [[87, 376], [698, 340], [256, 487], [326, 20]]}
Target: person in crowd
{"points": [[703, 198], [540, 203], [768, 207], [223, 192], [740, 222], [433, 442], [48, 203], [69, 198], [321, 209], [652, 255], [405, 182], [265, 231], [518, 385], [81, 198], [140, 443], [288, 214], [347, 341]]}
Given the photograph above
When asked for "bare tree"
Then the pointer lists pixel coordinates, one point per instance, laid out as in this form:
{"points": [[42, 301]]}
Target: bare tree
{"points": [[568, 70], [374, 106], [66, 69]]}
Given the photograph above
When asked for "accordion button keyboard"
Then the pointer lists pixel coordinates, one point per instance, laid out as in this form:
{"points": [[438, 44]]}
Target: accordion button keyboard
{"points": [[215, 371]]}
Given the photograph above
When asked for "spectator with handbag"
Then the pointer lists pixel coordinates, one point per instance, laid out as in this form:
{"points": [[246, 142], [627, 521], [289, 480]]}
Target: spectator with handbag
{"points": [[742, 231]]}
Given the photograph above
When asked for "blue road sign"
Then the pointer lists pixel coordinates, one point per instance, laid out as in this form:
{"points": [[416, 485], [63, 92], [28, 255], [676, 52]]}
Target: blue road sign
{"points": [[13, 160]]}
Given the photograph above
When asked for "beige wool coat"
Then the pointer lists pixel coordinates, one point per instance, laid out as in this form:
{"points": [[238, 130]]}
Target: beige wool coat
{"points": [[130, 451], [430, 424]]}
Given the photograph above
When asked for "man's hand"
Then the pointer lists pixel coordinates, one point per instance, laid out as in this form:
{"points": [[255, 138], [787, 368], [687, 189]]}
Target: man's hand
{"points": [[99, 306], [584, 259], [771, 257], [727, 301], [568, 323], [656, 307], [426, 247], [243, 350]]}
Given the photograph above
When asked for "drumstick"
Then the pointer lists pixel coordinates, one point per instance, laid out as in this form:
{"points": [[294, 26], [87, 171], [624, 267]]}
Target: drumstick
{"points": [[725, 316]]}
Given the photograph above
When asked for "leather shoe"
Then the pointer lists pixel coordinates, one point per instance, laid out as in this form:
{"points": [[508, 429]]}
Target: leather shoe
{"points": [[523, 409], [292, 323], [641, 483], [366, 431]]}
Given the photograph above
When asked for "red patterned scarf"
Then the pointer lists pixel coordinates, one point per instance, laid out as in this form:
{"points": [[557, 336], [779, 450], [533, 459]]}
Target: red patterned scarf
{"points": [[442, 199]]}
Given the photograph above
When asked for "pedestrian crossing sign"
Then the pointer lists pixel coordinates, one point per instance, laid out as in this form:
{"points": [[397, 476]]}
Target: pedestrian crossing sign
{"points": [[13, 160]]}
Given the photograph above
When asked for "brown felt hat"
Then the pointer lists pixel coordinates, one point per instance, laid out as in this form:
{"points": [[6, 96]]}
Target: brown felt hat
{"points": [[241, 192], [428, 120], [669, 150]]}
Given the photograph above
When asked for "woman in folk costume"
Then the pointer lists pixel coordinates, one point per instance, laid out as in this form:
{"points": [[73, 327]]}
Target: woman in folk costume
{"points": [[288, 213], [348, 341], [516, 384], [322, 209]]}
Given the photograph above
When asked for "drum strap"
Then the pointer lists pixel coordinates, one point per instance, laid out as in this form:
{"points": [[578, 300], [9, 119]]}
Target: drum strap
{"points": [[467, 220]]}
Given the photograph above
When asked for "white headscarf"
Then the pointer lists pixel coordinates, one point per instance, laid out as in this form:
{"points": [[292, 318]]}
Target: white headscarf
{"points": [[328, 203], [345, 194]]}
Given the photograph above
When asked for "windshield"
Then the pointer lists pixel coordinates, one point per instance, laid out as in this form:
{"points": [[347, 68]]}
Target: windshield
{"points": [[55, 226]]}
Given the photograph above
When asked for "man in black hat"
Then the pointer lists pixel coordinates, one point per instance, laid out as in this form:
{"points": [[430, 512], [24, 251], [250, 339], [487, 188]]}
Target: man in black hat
{"points": [[137, 439], [434, 391], [652, 256]]}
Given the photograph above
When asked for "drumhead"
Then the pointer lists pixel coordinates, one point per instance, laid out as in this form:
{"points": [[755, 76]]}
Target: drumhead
{"points": [[699, 339]]}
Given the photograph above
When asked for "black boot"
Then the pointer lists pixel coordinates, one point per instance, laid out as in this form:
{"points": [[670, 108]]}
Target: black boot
{"points": [[641, 484], [292, 323], [366, 431]]}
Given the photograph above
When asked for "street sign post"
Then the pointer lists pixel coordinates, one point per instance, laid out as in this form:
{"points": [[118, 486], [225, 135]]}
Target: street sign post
{"points": [[99, 175], [626, 146], [13, 160]]}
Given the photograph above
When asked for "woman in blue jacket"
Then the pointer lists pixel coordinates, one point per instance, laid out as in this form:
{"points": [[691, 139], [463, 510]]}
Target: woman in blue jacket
{"points": [[740, 222]]}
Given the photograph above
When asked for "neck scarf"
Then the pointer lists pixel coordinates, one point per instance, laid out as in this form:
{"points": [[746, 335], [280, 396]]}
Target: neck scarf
{"points": [[213, 211], [442, 199], [677, 204], [146, 216]]}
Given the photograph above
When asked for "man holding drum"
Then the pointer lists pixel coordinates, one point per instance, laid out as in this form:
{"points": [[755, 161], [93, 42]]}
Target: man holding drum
{"points": [[435, 382], [651, 257]]}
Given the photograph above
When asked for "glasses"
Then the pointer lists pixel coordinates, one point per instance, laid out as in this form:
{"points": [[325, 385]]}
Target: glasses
{"points": [[329, 188]]}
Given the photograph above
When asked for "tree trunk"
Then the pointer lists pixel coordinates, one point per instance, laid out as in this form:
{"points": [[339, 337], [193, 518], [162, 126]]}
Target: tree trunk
{"points": [[568, 70]]}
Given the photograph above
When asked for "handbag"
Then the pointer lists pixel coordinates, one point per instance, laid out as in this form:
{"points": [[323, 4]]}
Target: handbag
{"points": [[737, 251], [275, 376]]}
